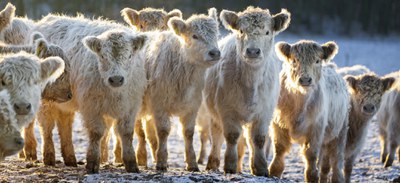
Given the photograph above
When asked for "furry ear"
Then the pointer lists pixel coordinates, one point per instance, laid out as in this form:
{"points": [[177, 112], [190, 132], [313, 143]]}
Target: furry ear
{"points": [[6, 15], [41, 46], [130, 16], [283, 50], [229, 19], [178, 25], [212, 12], [351, 81], [388, 82], [36, 36], [329, 49], [281, 21], [93, 43], [139, 41], [51, 68], [174, 13]]}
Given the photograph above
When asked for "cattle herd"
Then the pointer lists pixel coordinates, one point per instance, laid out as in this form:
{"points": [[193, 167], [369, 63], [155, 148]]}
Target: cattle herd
{"points": [[243, 89]]}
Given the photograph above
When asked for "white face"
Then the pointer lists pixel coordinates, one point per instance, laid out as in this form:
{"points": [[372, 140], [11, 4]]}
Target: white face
{"points": [[116, 52]]}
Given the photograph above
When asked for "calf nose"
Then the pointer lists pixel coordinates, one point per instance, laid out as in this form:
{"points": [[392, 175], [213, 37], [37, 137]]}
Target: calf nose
{"points": [[116, 81], [19, 141], [305, 81], [215, 54], [369, 108], [22, 108], [253, 52]]}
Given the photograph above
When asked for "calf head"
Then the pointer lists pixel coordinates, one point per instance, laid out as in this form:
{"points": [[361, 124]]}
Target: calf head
{"points": [[116, 51], [303, 62], [6, 16], [255, 30], [149, 19], [199, 34], [23, 75], [366, 92], [11, 141]]}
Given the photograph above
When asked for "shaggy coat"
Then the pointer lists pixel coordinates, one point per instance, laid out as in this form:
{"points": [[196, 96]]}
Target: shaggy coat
{"points": [[389, 122], [312, 110], [242, 89], [354, 70], [14, 30], [107, 78], [149, 19], [10, 138], [366, 92]]}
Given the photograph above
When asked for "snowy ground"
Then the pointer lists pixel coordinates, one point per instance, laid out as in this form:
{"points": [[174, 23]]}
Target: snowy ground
{"points": [[381, 56]]}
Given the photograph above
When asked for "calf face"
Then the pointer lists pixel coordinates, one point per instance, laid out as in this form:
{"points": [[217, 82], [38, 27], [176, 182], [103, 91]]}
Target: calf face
{"points": [[23, 75], [115, 50], [10, 138], [304, 62], [255, 29], [200, 35], [149, 19], [366, 92]]}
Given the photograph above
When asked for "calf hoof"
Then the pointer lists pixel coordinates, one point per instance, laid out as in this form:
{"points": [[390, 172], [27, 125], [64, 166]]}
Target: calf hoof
{"points": [[49, 159], [92, 168], [132, 168], [230, 170], [388, 162], [383, 158], [200, 161], [71, 163], [193, 168], [21, 154], [259, 172], [161, 167], [213, 163], [30, 156]]}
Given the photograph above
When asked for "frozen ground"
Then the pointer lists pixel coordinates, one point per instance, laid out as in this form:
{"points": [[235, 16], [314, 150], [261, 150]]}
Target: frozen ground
{"points": [[381, 56]]}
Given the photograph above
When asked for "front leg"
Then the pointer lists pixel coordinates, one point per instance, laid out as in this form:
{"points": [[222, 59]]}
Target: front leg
{"points": [[282, 145], [348, 167], [232, 131], [188, 123], [311, 149], [163, 127], [257, 132], [64, 126], [324, 163], [141, 151], [96, 129], [30, 142], [124, 129], [217, 138], [337, 149]]}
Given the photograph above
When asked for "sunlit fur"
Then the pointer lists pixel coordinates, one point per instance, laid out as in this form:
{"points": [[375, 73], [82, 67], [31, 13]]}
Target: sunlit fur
{"points": [[149, 19], [354, 70], [10, 138], [366, 89], [241, 91], [389, 122], [109, 49], [14, 30], [315, 117]]}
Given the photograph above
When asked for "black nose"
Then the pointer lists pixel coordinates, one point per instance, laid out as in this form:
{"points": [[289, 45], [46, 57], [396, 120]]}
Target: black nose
{"points": [[305, 81], [19, 141], [69, 95], [116, 81], [215, 54], [253, 52], [22, 108], [369, 108]]}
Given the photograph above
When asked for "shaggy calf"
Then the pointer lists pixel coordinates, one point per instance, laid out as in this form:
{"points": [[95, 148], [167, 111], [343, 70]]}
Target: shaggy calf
{"points": [[354, 70], [107, 76], [312, 110], [10, 139], [176, 62], [366, 92], [389, 122], [242, 89], [149, 19]]}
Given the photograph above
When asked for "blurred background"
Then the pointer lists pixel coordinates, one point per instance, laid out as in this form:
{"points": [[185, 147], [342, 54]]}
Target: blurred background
{"points": [[367, 31]]}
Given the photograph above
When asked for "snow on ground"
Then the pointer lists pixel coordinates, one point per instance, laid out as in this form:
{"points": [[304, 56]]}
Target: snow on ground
{"points": [[379, 55]]}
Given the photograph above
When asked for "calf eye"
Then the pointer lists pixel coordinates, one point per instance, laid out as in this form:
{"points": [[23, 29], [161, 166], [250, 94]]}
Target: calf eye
{"points": [[241, 32], [317, 62], [267, 33], [195, 37], [130, 56], [141, 26], [3, 83]]}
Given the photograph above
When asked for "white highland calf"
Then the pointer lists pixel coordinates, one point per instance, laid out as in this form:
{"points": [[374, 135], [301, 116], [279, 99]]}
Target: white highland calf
{"points": [[366, 94], [242, 90], [354, 70], [176, 62], [149, 19], [107, 77], [389, 122], [312, 110], [10, 138]]}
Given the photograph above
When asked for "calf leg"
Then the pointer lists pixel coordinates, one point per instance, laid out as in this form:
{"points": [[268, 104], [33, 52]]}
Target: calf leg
{"points": [[204, 138], [241, 151], [394, 139], [311, 150], [46, 125], [282, 145], [232, 131], [141, 152], [96, 129], [217, 139], [384, 144], [324, 164], [348, 167], [163, 127], [337, 151], [117, 149], [188, 123], [64, 124], [30, 142], [257, 132], [151, 138], [124, 129]]}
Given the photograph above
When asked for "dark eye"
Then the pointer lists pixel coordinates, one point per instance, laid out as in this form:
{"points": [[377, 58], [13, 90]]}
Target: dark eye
{"points": [[130, 56], [195, 37], [241, 32], [267, 33], [317, 62], [141, 26], [3, 83]]}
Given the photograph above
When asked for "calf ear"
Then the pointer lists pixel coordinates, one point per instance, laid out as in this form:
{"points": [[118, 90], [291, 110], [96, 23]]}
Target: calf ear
{"points": [[130, 16], [388, 83], [35, 36], [93, 43], [6, 15], [174, 13], [351, 81], [41, 47], [178, 25], [329, 50], [229, 19], [138, 42], [283, 50], [212, 13], [51, 68], [281, 21]]}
